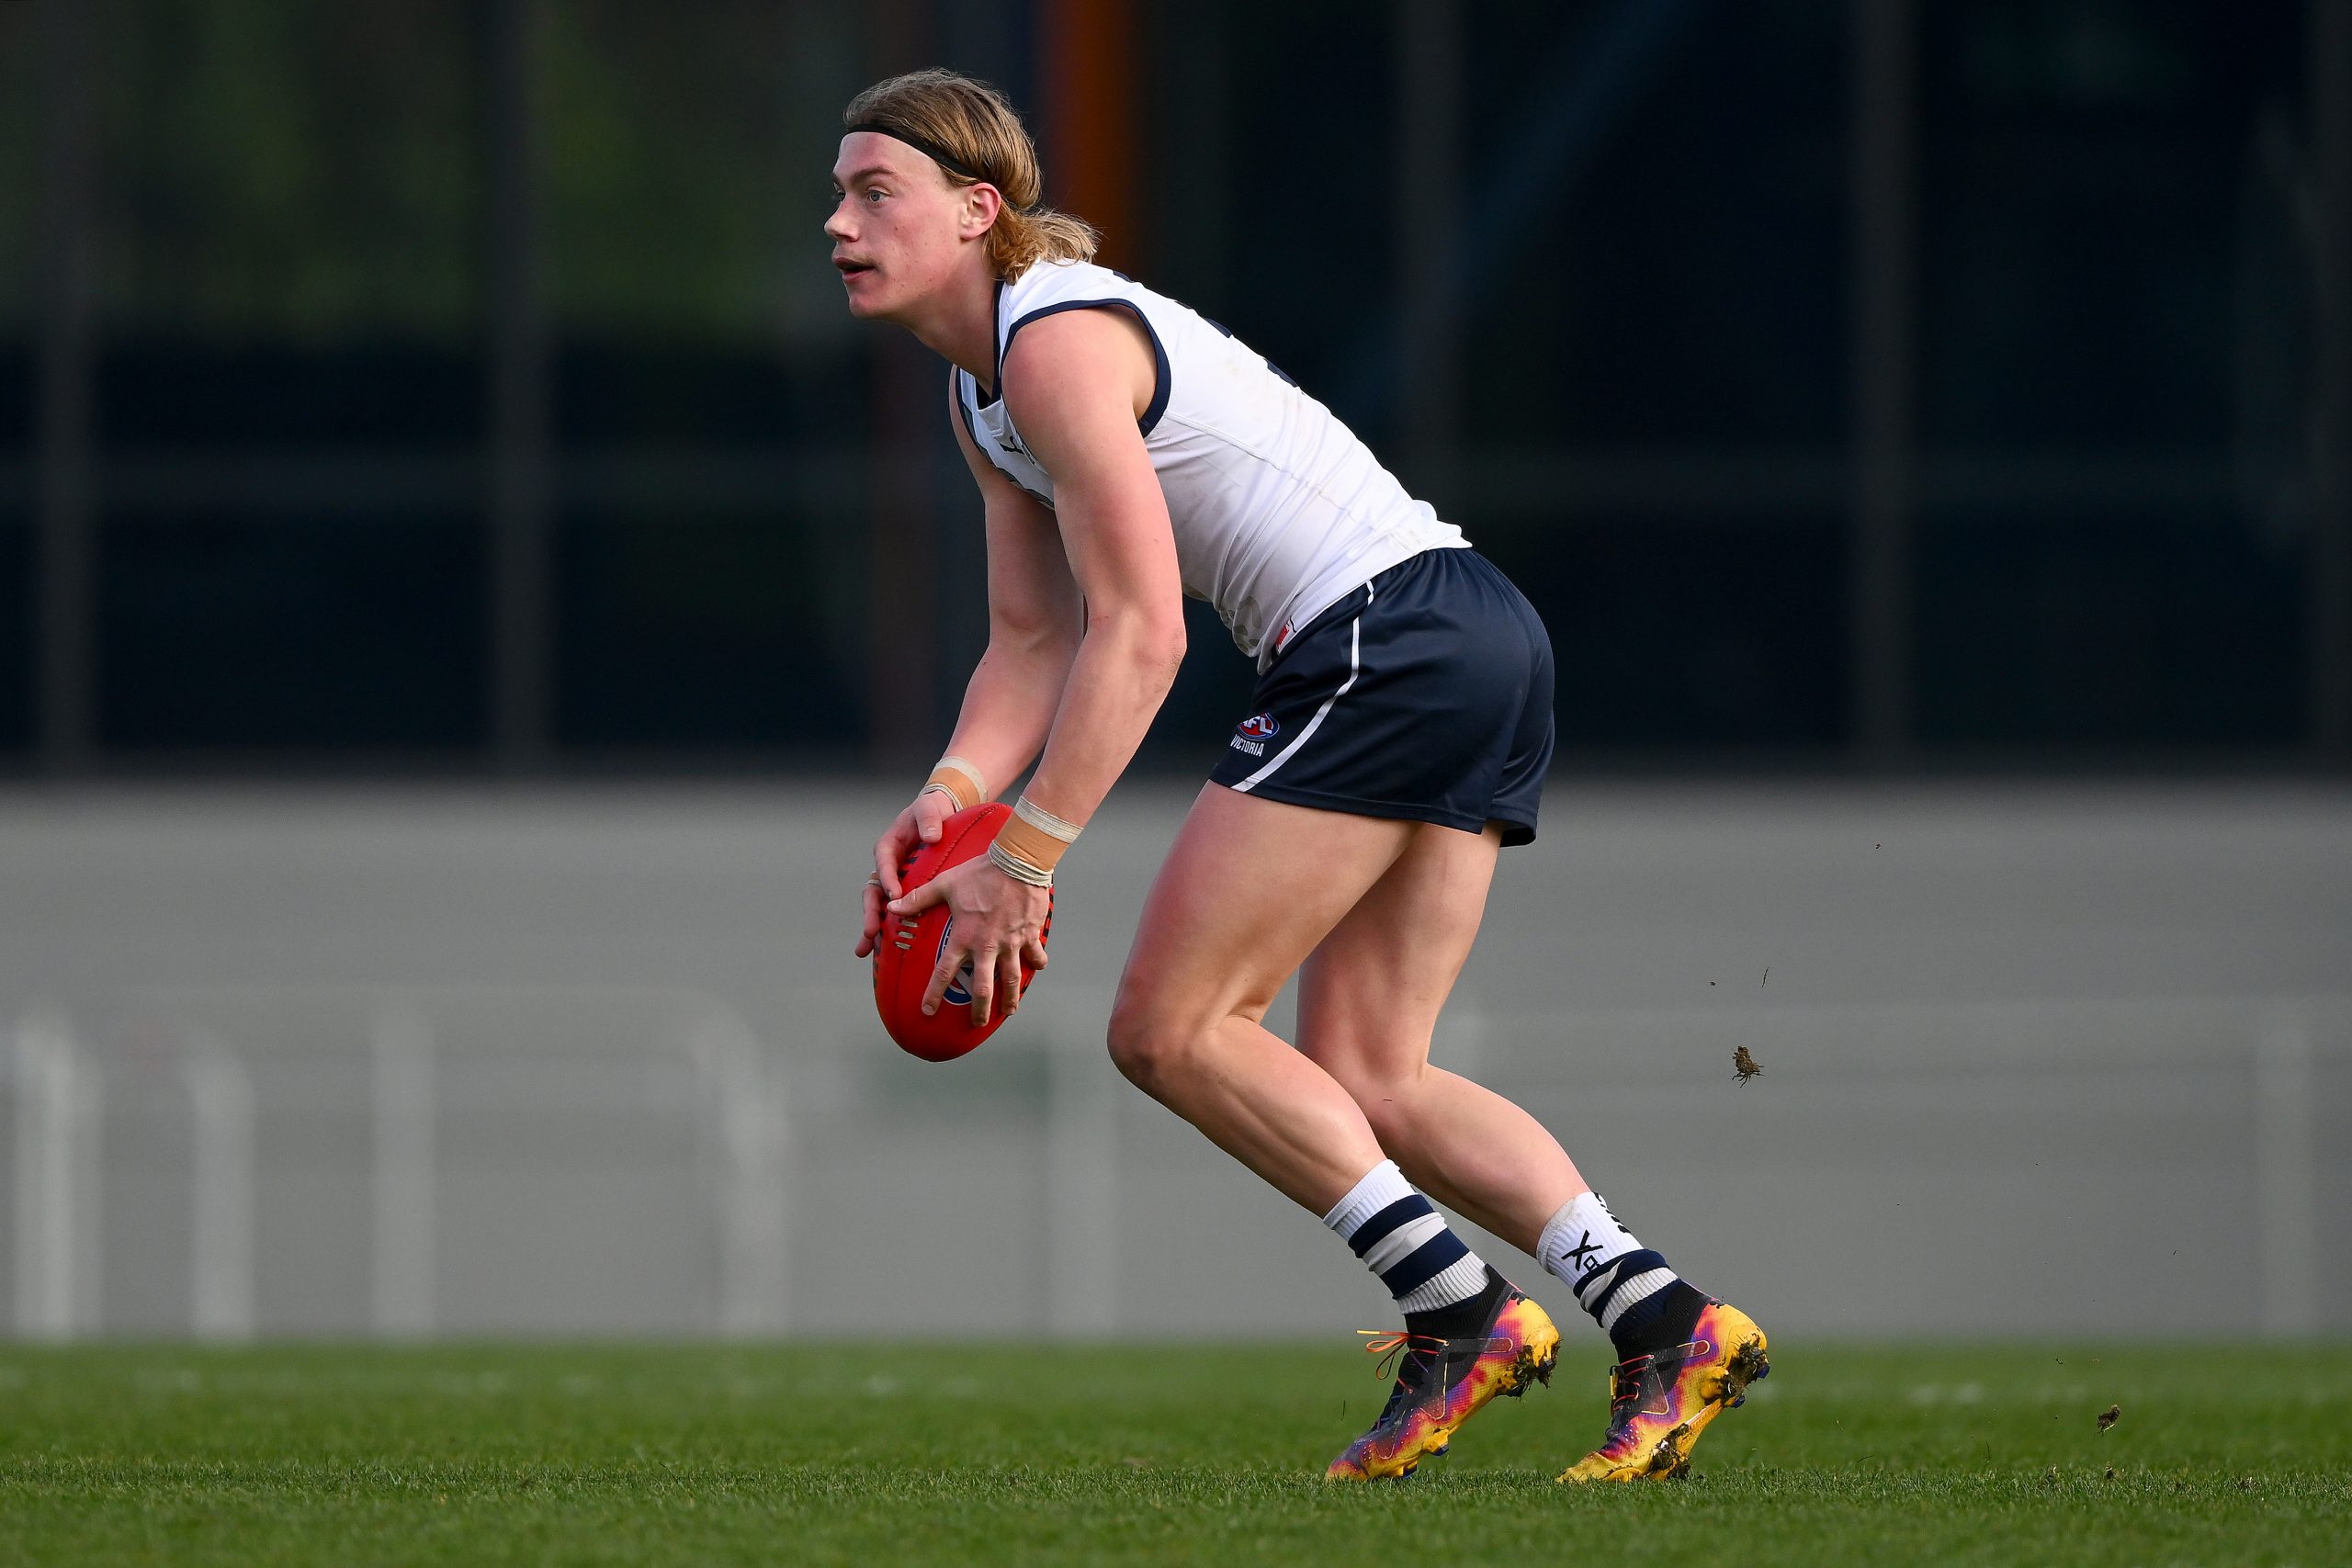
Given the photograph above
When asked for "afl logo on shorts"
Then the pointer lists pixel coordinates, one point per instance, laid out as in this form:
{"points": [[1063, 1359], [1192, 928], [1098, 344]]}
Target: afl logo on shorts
{"points": [[957, 994], [1252, 733]]}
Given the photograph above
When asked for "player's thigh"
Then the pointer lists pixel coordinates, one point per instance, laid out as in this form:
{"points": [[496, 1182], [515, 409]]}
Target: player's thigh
{"points": [[1370, 993], [1247, 889]]}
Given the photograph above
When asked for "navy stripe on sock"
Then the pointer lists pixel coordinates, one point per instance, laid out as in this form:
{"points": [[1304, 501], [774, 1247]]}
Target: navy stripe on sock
{"points": [[1412, 1206], [1425, 1263], [1630, 1266], [1599, 1280]]}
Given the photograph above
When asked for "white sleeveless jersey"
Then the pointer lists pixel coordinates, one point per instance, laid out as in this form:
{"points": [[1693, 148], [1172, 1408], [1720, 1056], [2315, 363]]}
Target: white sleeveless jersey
{"points": [[1277, 509]]}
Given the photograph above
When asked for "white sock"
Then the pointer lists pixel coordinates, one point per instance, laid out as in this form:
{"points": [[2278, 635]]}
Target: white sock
{"points": [[1584, 1246], [1402, 1237]]}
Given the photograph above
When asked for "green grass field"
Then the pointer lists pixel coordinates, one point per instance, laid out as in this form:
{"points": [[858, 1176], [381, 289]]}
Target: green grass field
{"points": [[876, 1454]]}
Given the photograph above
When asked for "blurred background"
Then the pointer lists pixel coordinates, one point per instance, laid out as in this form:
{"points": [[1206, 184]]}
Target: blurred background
{"points": [[468, 593]]}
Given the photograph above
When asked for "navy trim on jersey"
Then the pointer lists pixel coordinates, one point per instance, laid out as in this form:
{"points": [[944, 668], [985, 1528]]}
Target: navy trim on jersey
{"points": [[1160, 384], [995, 320], [955, 379]]}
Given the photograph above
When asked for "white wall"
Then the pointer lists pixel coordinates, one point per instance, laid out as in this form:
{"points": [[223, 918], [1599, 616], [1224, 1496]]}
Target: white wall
{"points": [[2064, 1057]]}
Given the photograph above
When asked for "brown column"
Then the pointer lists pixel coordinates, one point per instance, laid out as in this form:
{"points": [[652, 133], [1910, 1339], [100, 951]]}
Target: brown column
{"points": [[1087, 82]]}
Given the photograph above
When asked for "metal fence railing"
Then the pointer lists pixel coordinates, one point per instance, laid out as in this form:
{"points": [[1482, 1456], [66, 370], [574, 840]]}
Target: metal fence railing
{"points": [[230, 1162]]}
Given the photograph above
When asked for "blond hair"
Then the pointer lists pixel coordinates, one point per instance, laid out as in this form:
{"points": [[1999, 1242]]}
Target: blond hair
{"points": [[976, 126]]}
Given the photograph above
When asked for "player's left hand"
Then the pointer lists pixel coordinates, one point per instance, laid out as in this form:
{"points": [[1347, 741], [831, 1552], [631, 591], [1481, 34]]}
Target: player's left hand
{"points": [[998, 924]]}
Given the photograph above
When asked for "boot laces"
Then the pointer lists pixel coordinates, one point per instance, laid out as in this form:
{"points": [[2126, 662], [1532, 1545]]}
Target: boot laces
{"points": [[1625, 1389], [1392, 1346], [1407, 1358], [1628, 1377]]}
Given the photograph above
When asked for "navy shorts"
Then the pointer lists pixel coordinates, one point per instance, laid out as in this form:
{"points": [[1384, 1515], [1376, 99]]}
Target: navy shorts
{"points": [[1425, 693]]}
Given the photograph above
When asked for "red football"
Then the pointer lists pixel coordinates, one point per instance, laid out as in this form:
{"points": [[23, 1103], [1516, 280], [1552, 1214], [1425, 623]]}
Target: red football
{"points": [[909, 948]]}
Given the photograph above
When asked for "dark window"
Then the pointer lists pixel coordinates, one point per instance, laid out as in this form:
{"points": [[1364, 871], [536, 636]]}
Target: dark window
{"points": [[1689, 631], [2094, 178], [18, 627], [674, 397], [155, 392], [1672, 271], [16, 403], [702, 631], [222, 632], [2108, 630], [1312, 288]]}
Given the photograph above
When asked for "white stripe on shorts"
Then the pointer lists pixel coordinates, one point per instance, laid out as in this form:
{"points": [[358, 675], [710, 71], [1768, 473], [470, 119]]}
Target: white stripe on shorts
{"points": [[1355, 628]]}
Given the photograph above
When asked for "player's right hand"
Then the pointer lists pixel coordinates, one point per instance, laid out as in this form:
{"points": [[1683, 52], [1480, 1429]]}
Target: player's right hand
{"points": [[920, 823]]}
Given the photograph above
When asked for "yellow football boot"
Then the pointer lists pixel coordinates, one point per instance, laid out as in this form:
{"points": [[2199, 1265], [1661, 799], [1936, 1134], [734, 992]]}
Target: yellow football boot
{"points": [[1440, 1383], [1660, 1404]]}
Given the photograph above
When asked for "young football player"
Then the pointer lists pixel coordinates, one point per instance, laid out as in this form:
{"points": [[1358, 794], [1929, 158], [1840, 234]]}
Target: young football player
{"points": [[1129, 451]]}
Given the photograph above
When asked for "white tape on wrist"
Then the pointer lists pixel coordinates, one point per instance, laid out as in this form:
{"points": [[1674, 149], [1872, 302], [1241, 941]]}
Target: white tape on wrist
{"points": [[1044, 821], [958, 780], [1020, 870]]}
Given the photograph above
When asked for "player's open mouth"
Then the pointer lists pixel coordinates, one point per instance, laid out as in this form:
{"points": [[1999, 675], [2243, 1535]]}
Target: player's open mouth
{"points": [[852, 268]]}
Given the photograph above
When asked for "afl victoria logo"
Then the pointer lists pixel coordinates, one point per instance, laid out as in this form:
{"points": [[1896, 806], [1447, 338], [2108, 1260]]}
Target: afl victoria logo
{"points": [[956, 993], [1260, 726]]}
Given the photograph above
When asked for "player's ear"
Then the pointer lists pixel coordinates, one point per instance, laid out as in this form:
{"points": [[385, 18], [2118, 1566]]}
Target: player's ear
{"points": [[982, 202]]}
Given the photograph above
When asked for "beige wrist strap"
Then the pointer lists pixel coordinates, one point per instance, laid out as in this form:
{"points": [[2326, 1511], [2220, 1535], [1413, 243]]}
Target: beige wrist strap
{"points": [[959, 781], [1032, 843]]}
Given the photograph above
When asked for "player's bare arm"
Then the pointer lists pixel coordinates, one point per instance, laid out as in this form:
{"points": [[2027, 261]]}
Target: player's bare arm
{"points": [[1074, 384], [1035, 621], [1033, 628]]}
